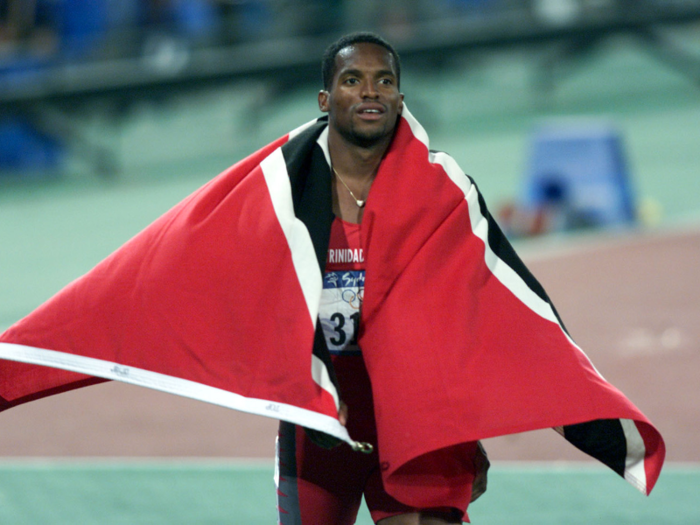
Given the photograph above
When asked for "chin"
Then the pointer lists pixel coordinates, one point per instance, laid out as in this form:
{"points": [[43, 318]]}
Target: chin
{"points": [[368, 138]]}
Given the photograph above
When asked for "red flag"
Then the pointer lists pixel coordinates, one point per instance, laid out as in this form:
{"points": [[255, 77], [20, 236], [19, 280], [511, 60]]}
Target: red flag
{"points": [[218, 300], [478, 350]]}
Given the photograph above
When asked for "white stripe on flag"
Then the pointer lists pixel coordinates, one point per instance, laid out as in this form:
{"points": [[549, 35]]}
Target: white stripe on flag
{"points": [[504, 273], [302, 249], [416, 128], [298, 238], [320, 374], [636, 452], [297, 131], [500, 269], [173, 385]]}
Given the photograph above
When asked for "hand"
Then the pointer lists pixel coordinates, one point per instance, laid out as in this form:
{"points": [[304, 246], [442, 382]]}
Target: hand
{"points": [[481, 465], [324, 440], [343, 414]]}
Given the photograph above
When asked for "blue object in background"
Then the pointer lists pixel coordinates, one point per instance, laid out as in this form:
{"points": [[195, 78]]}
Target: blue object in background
{"points": [[580, 169], [25, 149], [194, 18], [81, 24]]}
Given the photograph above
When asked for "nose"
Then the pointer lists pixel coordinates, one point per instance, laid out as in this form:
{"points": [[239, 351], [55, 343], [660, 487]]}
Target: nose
{"points": [[369, 90]]}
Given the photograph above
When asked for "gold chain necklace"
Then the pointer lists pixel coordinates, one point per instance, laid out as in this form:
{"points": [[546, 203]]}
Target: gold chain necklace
{"points": [[360, 203]]}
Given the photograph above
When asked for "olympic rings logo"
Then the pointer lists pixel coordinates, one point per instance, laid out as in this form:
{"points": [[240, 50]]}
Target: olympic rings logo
{"points": [[354, 299]]}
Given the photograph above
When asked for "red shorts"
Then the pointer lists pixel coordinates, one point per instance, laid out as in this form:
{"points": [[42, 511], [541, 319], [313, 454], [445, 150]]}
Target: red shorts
{"points": [[317, 486]]}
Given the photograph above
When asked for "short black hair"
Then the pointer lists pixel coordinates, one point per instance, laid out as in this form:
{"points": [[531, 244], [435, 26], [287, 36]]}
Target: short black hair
{"points": [[328, 66]]}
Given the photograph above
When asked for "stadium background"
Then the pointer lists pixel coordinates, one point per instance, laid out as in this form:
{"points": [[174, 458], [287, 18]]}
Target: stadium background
{"points": [[100, 164]]}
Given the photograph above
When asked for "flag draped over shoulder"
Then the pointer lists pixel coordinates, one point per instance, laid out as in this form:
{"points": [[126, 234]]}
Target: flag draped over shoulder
{"points": [[477, 348], [218, 300]]}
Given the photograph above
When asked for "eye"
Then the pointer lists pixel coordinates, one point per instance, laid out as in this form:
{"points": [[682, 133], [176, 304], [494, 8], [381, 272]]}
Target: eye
{"points": [[350, 80], [387, 81]]}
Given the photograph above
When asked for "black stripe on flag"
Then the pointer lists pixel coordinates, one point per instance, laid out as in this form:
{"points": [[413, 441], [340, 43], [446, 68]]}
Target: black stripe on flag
{"points": [[502, 248]]}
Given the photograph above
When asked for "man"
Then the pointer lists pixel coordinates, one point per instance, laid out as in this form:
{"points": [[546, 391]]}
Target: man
{"points": [[439, 334], [361, 77], [346, 235]]}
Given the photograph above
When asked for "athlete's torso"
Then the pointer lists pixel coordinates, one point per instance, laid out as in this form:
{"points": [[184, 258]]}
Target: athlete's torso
{"points": [[343, 288]]}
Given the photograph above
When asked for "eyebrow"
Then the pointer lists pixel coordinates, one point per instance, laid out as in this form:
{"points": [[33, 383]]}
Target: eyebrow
{"points": [[358, 73]]}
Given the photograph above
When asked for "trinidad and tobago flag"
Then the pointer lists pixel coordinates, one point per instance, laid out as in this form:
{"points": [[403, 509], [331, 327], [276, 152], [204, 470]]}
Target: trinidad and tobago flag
{"points": [[218, 300]]}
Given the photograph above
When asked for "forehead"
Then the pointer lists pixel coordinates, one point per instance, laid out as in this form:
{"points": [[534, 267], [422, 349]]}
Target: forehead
{"points": [[364, 56]]}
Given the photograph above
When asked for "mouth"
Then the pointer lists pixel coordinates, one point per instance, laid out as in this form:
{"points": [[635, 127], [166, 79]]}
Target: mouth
{"points": [[371, 111]]}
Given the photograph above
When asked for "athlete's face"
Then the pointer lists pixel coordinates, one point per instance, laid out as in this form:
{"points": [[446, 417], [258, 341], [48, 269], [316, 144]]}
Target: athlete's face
{"points": [[364, 102]]}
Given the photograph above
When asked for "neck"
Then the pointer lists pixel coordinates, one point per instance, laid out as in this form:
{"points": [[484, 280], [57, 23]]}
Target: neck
{"points": [[356, 167], [355, 162]]}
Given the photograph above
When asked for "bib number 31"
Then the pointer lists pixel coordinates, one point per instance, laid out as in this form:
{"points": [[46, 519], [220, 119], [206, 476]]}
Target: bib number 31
{"points": [[342, 329]]}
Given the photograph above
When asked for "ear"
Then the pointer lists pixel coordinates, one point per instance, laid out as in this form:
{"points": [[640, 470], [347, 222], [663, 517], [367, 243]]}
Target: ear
{"points": [[323, 100], [401, 103]]}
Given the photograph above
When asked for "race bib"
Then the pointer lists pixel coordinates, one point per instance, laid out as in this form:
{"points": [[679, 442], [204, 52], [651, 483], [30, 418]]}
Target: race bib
{"points": [[341, 301]]}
